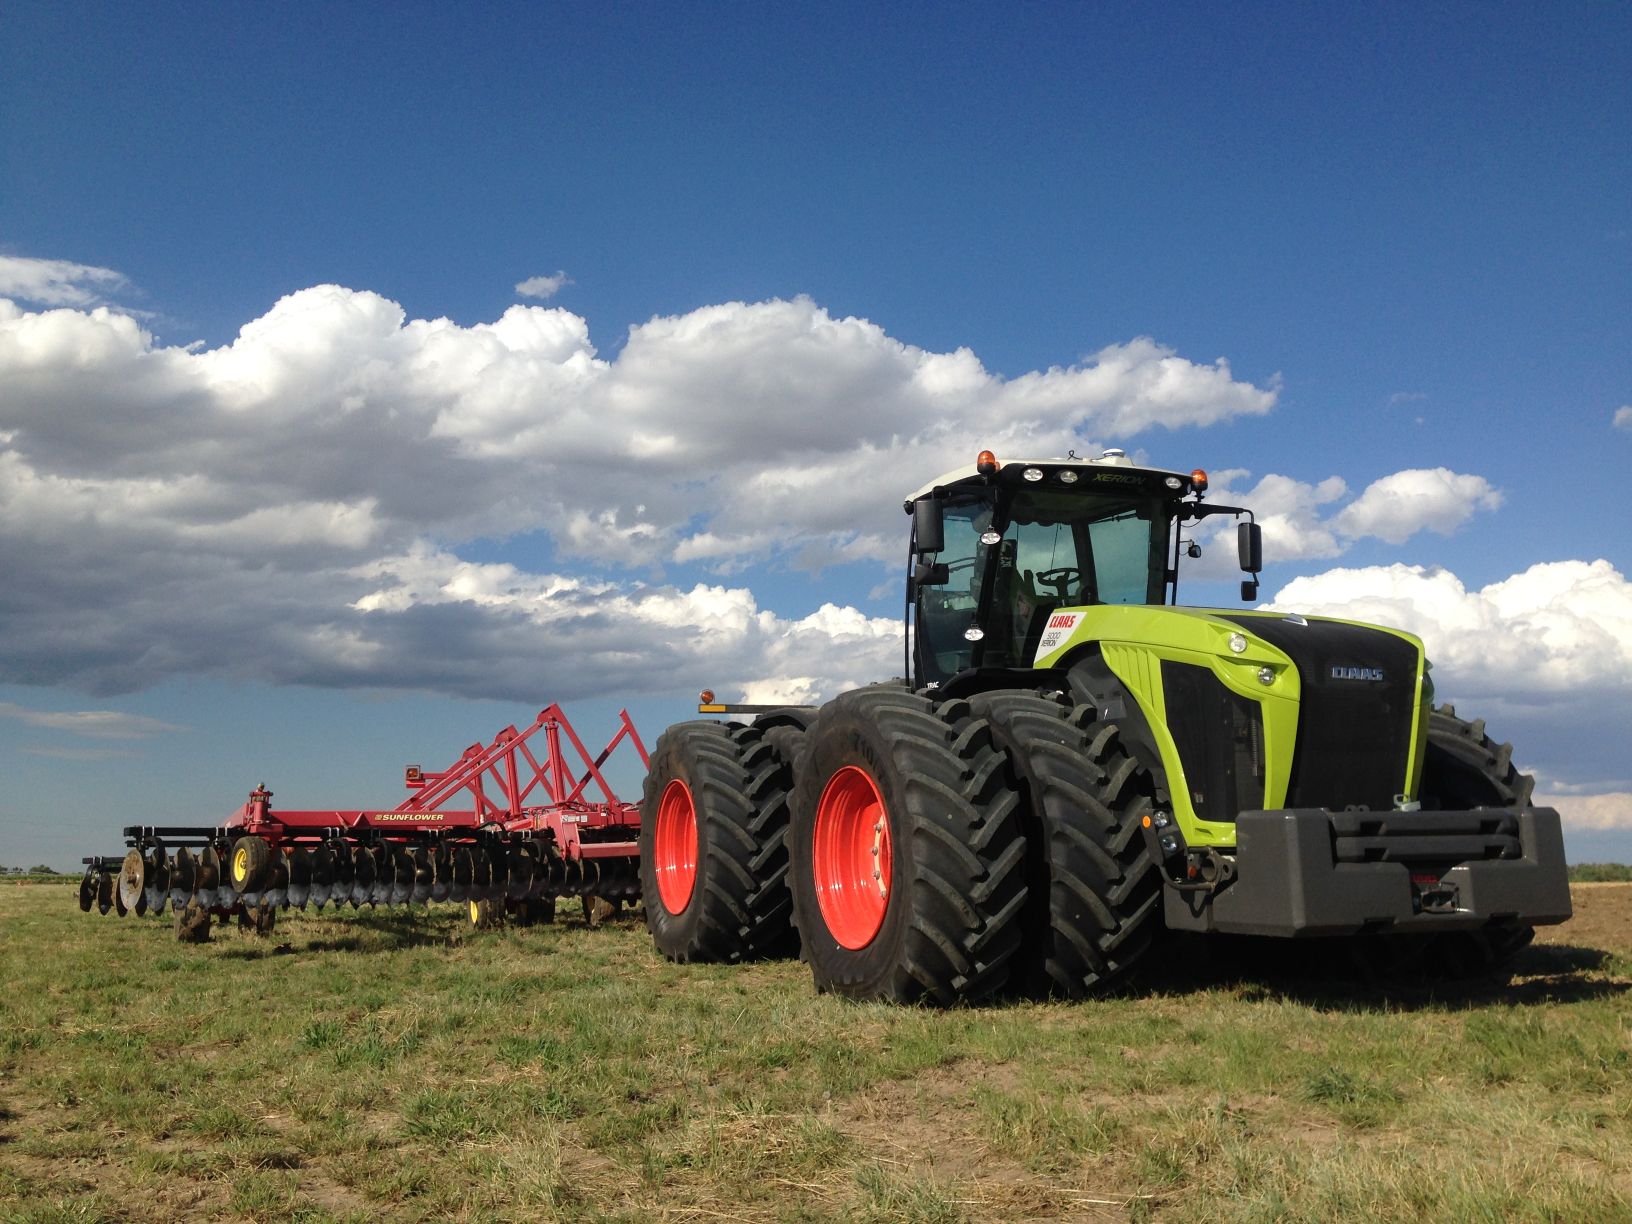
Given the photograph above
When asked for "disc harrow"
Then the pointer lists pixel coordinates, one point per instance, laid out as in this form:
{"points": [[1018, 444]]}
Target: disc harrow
{"points": [[505, 830]]}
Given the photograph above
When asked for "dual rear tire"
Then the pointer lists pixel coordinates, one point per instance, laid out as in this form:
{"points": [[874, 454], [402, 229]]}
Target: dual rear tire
{"points": [[906, 864], [713, 856], [920, 851], [1094, 905]]}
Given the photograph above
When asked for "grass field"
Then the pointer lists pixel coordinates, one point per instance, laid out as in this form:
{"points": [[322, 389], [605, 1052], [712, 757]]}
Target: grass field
{"points": [[402, 1066]]}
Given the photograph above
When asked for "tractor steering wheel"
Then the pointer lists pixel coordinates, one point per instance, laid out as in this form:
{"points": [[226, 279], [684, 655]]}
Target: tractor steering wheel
{"points": [[1060, 579]]}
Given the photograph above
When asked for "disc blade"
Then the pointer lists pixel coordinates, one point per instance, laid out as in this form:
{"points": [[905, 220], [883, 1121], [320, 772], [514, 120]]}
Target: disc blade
{"points": [[192, 923], [550, 868], [362, 875], [344, 869], [402, 875], [87, 890], [464, 873], [300, 876], [263, 918], [518, 874], [158, 880], [132, 881], [322, 875], [380, 893], [208, 876], [534, 869], [499, 857], [441, 872], [424, 875]]}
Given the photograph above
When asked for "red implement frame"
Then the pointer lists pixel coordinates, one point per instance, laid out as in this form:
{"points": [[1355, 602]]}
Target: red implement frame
{"points": [[508, 786]]}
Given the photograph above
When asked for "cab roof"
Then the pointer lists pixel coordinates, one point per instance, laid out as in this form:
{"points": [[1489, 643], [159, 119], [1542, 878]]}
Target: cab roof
{"points": [[1109, 463]]}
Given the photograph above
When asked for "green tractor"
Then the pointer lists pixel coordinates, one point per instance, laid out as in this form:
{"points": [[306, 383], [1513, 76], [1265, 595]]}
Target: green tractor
{"points": [[1076, 765]]}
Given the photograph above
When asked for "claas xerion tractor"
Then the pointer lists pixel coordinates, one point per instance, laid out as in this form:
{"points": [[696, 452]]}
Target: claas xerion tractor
{"points": [[1076, 765]]}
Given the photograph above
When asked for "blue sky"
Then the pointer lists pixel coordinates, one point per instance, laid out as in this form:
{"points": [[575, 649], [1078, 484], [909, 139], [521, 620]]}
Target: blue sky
{"points": [[266, 518]]}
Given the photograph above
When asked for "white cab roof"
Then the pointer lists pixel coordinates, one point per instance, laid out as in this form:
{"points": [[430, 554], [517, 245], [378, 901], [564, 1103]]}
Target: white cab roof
{"points": [[1110, 459]]}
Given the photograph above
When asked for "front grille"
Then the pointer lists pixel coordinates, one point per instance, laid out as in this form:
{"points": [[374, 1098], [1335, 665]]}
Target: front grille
{"points": [[1354, 734], [1220, 737]]}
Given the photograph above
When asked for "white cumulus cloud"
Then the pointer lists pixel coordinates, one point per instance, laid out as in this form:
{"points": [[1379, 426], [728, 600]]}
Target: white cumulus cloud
{"points": [[57, 282], [1558, 628], [543, 287], [290, 506], [1623, 417], [1419, 499], [1315, 520], [1545, 656], [1601, 810]]}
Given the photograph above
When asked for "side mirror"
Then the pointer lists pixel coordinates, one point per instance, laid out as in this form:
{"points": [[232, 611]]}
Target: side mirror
{"points": [[930, 573], [1249, 543], [928, 527], [1249, 591]]}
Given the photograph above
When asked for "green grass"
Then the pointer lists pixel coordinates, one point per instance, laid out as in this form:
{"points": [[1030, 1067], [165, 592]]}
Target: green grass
{"points": [[400, 1066]]}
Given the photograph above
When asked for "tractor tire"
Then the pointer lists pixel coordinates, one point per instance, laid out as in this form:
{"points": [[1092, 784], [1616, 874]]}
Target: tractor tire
{"points": [[713, 859], [906, 859], [249, 864], [1094, 892], [770, 756], [1462, 769]]}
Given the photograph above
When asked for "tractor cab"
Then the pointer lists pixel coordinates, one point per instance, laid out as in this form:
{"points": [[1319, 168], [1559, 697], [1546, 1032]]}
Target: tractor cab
{"points": [[999, 549]]}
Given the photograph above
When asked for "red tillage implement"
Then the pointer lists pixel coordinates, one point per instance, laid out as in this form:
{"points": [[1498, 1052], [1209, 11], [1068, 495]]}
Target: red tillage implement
{"points": [[503, 829]]}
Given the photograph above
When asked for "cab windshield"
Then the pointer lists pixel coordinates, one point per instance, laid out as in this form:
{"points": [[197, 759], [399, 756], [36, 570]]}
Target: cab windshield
{"points": [[1012, 559]]}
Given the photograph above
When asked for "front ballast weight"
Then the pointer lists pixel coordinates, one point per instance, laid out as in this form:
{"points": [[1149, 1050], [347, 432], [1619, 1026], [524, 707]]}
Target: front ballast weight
{"points": [[505, 830], [1474, 858]]}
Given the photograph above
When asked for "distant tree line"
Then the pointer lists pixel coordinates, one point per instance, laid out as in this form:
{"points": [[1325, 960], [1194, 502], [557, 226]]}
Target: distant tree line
{"points": [[1600, 873]]}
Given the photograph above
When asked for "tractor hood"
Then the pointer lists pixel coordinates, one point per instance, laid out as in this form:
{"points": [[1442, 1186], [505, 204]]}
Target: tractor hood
{"points": [[1259, 709], [1313, 648]]}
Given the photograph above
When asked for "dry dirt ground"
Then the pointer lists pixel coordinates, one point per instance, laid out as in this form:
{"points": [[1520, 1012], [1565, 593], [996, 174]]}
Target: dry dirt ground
{"points": [[1603, 919]]}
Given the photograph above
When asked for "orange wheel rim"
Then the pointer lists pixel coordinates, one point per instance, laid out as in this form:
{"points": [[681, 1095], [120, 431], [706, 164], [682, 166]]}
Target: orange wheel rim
{"points": [[674, 847], [850, 857]]}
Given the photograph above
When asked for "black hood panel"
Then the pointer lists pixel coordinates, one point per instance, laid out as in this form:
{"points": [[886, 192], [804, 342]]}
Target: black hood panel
{"points": [[1355, 720]]}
